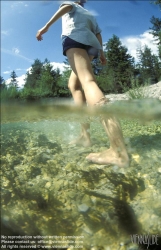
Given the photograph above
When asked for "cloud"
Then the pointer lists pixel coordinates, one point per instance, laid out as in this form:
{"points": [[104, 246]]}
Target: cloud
{"points": [[7, 72], [19, 69], [5, 32], [93, 12], [136, 42], [16, 4], [21, 81], [60, 66], [16, 52]]}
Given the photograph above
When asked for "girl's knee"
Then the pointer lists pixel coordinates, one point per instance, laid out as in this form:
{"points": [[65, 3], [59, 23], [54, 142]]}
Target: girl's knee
{"points": [[74, 85], [69, 86]]}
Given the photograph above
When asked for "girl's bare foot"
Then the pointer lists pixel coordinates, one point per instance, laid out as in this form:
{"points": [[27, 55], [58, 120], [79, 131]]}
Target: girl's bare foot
{"points": [[82, 141], [109, 157]]}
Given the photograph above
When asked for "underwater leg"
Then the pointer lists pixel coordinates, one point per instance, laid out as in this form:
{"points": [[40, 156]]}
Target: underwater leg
{"points": [[117, 153], [79, 98]]}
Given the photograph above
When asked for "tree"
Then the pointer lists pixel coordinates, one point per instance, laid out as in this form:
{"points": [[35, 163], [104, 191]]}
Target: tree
{"points": [[41, 80], [34, 74], [62, 84], [2, 83], [48, 79], [156, 28], [120, 64], [149, 66], [10, 91], [13, 82], [1, 80]]}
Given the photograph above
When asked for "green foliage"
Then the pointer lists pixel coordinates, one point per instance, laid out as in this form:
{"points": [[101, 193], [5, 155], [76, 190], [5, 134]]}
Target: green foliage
{"points": [[44, 81], [159, 48], [40, 81], [156, 28], [136, 91], [34, 74], [48, 80], [62, 84], [105, 81], [13, 82], [159, 3], [121, 74], [1, 80], [2, 83], [9, 93], [149, 66], [120, 66]]}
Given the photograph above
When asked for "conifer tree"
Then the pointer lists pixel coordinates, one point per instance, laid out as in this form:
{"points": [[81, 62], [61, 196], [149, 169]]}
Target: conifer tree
{"points": [[149, 65], [2, 83], [33, 74], [156, 28], [13, 82], [49, 78], [120, 64]]}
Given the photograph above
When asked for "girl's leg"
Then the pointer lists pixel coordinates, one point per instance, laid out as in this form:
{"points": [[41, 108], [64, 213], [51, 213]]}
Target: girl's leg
{"points": [[117, 154], [76, 90], [79, 98], [81, 66]]}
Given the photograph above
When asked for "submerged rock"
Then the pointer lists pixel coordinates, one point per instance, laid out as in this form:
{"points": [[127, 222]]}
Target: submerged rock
{"points": [[83, 208], [44, 142]]}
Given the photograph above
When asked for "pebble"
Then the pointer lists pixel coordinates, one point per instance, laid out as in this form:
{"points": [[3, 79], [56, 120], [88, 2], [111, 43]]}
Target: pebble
{"points": [[83, 208], [159, 170], [48, 184]]}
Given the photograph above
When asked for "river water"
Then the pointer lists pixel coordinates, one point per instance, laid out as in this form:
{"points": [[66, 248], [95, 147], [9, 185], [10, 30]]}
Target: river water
{"points": [[49, 189]]}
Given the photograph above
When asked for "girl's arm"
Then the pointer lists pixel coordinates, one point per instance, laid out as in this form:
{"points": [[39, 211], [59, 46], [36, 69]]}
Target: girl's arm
{"points": [[102, 56], [62, 11]]}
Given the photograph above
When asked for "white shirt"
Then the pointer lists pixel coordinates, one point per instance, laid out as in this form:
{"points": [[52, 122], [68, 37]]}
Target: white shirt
{"points": [[80, 25]]}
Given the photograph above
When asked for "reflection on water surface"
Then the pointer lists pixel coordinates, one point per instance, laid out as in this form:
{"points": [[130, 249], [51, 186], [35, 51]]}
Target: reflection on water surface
{"points": [[144, 110]]}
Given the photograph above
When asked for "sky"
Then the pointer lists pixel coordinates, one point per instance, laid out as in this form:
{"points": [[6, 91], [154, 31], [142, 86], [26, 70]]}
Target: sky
{"points": [[20, 21]]}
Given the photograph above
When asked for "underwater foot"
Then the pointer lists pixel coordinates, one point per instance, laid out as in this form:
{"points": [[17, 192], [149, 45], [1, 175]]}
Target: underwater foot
{"points": [[109, 157], [81, 141]]}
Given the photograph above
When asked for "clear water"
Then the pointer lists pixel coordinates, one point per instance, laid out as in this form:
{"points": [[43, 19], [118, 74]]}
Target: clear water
{"points": [[49, 189]]}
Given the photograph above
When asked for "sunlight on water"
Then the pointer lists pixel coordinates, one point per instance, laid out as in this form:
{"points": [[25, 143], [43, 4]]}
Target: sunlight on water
{"points": [[49, 189]]}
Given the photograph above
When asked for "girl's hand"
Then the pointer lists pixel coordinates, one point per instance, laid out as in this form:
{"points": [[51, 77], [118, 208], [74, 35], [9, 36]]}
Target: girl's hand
{"points": [[40, 32], [103, 59], [39, 36]]}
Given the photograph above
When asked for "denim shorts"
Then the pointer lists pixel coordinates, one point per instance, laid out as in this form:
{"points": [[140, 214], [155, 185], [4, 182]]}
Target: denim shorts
{"points": [[69, 43]]}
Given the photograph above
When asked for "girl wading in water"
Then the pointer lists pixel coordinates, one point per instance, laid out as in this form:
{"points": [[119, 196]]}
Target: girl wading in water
{"points": [[82, 41]]}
